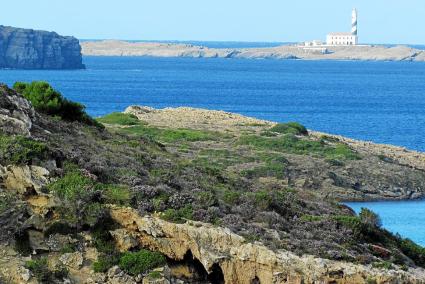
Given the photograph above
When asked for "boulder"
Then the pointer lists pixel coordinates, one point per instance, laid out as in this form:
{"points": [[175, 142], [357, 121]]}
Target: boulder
{"points": [[73, 260], [26, 180], [123, 240], [16, 113]]}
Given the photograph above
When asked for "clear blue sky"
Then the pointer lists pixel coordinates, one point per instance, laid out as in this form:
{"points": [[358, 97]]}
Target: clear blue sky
{"points": [[380, 21]]}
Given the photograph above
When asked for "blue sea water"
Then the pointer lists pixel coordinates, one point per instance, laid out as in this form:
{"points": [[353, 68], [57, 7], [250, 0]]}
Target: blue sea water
{"points": [[404, 217], [379, 101]]}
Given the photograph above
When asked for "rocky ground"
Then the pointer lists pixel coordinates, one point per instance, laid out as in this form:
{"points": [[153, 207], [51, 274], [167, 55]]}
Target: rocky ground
{"points": [[194, 196], [122, 48]]}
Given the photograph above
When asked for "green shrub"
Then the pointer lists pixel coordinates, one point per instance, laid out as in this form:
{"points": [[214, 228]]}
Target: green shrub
{"points": [[40, 269], [68, 248], [79, 204], [116, 194], [120, 119], [311, 218], [290, 128], [370, 218], [352, 222], [103, 264], [262, 199], [412, 250], [383, 265], [49, 101], [135, 263], [231, 197], [155, 274], [178, 216], [20, 150]]}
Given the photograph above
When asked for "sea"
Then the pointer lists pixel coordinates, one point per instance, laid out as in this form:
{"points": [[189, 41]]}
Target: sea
{"points": [[383, 102]]}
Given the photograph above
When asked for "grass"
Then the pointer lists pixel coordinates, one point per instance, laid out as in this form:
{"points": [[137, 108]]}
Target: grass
{"points": [[166, 135], [116, 194], [119, 118], [135, 127], [291, 144]]}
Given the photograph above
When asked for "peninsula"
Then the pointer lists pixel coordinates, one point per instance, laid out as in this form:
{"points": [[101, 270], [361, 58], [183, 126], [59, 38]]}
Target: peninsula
{"points": [[31, 49], [185, 195], [355, 52]]}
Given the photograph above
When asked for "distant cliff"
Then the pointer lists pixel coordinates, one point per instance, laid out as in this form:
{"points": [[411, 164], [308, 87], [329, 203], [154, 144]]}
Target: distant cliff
{"points": [[30, 49], [360, 52]]}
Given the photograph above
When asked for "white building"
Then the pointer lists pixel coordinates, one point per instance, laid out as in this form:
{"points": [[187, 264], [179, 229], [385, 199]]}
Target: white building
{"points": [[341, 39], [345, 38]]}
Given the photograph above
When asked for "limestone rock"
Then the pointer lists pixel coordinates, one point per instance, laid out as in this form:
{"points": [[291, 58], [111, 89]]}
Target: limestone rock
{"points": [[284, 52], [123, 240], [26, 180], [37, 242], [16, 113], [223, 252], [117, 276], [30, 49], [73, 260]]}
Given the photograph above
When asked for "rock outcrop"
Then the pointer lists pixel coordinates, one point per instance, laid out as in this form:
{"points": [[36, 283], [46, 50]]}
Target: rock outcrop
{"points": [[30, 49], [16, 113], [229, 257], [122, 48]]}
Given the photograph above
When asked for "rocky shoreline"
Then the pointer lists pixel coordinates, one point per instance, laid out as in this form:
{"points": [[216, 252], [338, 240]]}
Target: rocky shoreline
{"points": [[367, 53]]}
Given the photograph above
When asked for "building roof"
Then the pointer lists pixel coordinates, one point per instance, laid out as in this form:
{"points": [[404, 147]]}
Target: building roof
{"points": [[340, 34]]}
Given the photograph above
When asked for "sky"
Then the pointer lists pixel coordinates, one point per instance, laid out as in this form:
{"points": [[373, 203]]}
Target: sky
{"points": [[380, 21]]}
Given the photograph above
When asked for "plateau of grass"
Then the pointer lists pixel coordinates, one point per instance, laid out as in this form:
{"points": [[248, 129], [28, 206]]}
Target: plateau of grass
{"points": [[119, 118]]}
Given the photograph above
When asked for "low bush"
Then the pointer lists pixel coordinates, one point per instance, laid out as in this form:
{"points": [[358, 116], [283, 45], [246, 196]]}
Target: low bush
{"points": [[370, 218], [40, 269], [179, 215], [412, 250], [135, 263], [80, 201], [290, 128], [105, 245], [47, 100], [116, 194], [20, 150]]}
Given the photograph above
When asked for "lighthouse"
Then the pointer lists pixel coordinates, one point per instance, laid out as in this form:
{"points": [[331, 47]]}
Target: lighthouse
{"points": [[354, 22], [345, 38]]}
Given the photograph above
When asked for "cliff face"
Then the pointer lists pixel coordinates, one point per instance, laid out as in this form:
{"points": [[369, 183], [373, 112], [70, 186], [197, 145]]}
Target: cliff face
{"points": [[30, 49]]}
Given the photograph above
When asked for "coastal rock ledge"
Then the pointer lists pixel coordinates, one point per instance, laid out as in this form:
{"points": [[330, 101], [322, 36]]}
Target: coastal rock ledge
{"points": [[30, 49]]}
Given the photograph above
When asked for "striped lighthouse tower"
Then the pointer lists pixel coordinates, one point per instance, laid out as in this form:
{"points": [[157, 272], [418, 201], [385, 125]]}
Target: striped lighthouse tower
{"points": [[354, 22]]}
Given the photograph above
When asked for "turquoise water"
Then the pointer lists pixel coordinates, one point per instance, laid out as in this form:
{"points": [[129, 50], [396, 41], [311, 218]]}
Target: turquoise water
{"points": [[404, 217], [379, 101]]}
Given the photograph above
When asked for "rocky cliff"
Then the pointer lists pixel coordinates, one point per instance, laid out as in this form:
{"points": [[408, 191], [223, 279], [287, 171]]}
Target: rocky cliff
{"points": [[30, 49]]}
